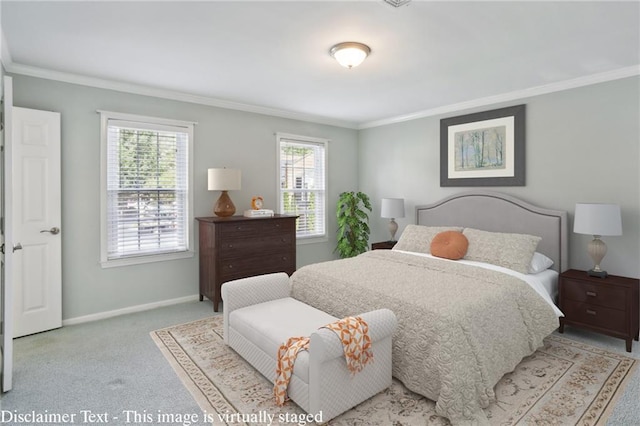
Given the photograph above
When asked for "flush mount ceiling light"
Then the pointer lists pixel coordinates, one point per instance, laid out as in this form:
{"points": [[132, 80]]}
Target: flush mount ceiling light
{"points": [[350, 54]]}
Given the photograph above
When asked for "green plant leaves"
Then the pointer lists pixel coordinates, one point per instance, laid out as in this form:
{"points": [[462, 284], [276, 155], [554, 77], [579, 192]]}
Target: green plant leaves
{"points": [[353, 226]]}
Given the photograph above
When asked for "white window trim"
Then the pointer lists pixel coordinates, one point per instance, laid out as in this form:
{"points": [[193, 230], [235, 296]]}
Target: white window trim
{"points": [[105, 116], [325, 142]]}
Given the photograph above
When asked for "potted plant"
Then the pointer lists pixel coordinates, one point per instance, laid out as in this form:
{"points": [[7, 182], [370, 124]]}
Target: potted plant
{"points": [[353, 223]]}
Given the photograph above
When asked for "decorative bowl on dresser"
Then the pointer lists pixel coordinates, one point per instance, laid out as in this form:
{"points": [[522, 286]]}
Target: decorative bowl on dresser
{"points": [[606, 305], [239, 247]]}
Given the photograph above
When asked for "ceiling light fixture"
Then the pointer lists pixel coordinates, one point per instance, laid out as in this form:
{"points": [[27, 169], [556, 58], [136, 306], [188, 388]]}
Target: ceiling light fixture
{"points": [[350, 54]]}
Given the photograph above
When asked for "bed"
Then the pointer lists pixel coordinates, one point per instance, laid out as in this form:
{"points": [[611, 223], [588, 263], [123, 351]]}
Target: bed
{"points": [[461, 324]]}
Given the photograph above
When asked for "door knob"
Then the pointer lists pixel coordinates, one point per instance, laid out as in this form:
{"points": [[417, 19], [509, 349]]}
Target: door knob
{"points": [[17, 247], [53, 230]]}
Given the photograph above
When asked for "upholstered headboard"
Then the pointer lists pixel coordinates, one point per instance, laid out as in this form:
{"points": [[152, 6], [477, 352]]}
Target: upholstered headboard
{"points": [[495, 212]]}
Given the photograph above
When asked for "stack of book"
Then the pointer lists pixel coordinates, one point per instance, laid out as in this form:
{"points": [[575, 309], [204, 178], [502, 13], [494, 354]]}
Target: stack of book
{"points": [[258, 213]]}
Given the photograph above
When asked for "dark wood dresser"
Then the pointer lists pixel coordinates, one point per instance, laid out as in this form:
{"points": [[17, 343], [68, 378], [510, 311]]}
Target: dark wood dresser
{"points": [[239, 247], [606, 305]]}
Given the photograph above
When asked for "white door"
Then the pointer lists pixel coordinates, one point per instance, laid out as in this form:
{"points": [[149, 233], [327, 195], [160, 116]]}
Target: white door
{"points": [[36, 209], [6, 274]]}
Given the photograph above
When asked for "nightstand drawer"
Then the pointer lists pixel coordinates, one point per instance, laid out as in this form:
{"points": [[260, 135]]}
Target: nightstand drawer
{"points": [[595, 294], [594, 315]]}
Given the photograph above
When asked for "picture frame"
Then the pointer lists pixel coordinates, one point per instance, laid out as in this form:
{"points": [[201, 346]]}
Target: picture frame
{"points": [[483, 149]]}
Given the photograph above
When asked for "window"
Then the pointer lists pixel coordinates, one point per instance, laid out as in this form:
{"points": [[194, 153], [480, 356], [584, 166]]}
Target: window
{"points": [[302, 184], [146, 189]]}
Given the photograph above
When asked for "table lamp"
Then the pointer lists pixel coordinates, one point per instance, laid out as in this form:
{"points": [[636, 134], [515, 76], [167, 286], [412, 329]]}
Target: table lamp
{"points": [[224, 180], [392, 208], [597, 220]]}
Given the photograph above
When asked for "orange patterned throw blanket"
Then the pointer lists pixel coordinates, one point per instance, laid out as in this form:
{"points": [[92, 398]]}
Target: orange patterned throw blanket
{"points": [[356, 343]]}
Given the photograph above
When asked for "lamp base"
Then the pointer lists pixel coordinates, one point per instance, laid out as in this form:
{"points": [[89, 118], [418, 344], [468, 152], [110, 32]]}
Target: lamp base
{"points": [[599, 274], [224, 206], [597, 249], [393, 228]]}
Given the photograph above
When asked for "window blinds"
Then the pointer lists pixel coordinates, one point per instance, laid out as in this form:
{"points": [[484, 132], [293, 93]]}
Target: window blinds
{"points": [[302, 185], [147, 189]]}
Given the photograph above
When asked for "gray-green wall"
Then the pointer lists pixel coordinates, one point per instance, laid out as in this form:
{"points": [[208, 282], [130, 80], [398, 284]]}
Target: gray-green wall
{"points": [[582, 145], [222, 137]]}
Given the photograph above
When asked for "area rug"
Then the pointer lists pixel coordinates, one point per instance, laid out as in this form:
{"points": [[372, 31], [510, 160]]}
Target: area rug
{"points": [[562, 383]]}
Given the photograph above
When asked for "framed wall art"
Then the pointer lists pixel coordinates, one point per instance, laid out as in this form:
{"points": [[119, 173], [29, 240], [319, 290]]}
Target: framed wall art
{"points": [[483, 149]]}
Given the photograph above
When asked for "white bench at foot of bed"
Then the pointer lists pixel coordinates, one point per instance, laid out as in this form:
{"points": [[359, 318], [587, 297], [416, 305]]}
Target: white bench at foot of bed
{"points": [[259, 316]]}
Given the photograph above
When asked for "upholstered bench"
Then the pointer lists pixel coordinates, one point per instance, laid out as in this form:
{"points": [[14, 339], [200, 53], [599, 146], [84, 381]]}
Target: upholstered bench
{"points": [[259, 316]]}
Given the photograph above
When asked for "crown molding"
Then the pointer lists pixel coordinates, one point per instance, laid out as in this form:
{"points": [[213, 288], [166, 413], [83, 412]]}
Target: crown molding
{"points": [[511, 96], [138, 89]]}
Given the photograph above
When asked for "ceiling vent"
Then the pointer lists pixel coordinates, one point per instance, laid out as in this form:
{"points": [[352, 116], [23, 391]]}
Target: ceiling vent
{"points": [[397, 3]]}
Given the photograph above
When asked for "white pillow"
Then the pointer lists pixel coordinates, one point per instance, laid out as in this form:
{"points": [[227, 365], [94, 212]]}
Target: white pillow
{"points": [[539, 263], [513, 251]]}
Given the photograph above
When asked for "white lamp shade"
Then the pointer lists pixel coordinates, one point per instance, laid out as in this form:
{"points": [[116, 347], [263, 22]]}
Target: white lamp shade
{"points": [[597, 219], [224, 179], [392, 208]]}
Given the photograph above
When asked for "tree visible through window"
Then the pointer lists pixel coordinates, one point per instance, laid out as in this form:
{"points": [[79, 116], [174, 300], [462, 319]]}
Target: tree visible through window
{"points": [[147, 200], [302, 189]]}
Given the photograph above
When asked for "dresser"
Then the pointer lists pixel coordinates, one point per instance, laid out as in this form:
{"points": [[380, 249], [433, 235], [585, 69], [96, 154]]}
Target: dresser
{"points": [[606, 305], [239, 247]]}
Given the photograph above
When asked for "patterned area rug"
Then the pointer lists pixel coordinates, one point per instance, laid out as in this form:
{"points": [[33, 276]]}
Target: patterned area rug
{"points": [[563, 383]]}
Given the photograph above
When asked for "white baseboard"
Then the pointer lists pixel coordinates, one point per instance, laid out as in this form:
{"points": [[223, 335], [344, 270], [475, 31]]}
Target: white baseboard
{"points": [[129, 310]]}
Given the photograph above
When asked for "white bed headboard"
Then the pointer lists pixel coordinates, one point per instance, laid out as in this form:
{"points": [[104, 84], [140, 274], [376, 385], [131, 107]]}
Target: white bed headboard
{"points": [[495, 212]]}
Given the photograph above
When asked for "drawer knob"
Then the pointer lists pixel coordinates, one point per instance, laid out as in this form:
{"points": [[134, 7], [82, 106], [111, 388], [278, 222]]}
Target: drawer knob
{"points": [[284, 257], [591, 312], [230, 266], [592, 293]]}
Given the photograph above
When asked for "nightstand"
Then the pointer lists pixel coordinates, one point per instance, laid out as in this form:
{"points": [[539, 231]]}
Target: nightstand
{"points": [[384, 245], [606, 305]]}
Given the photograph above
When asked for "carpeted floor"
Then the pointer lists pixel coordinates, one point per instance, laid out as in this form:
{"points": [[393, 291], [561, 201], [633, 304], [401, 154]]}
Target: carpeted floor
{"points": [[112, 366], [563, 383]]}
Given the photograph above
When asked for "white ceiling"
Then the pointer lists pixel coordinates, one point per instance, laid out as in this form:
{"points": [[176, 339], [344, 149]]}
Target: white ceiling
{"points": [[426, 57]]}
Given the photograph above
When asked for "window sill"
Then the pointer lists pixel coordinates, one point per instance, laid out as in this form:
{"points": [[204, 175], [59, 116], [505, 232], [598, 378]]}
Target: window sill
{"points": [[138, 260], [312, 240]]}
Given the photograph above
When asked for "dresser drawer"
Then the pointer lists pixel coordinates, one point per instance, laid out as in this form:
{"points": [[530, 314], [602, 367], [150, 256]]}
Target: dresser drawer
{"points": [[255, 246], [595, 294], [231, 269], [241, 229], [594, 315]]}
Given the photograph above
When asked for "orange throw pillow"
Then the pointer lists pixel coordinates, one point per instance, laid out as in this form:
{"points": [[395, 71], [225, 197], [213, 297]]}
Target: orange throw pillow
{"points": [[449, 245]]}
